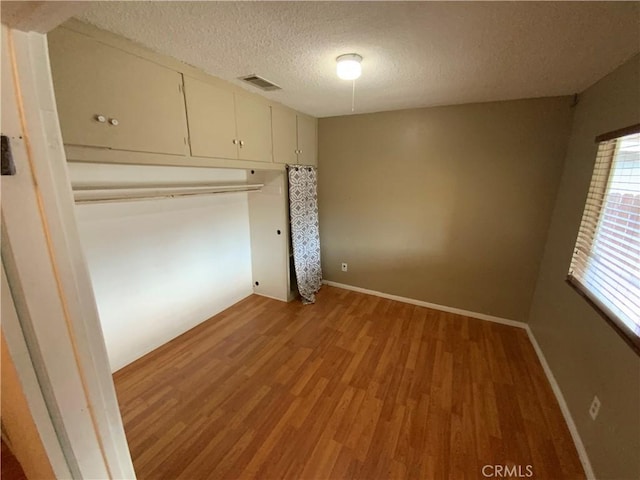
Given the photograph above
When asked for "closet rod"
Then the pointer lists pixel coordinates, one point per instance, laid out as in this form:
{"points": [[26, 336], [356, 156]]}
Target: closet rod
{"points": [[103, 194]]}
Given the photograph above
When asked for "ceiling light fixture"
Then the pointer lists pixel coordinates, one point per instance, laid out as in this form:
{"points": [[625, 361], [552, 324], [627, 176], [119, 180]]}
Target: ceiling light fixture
{"points": [[348, 66]]}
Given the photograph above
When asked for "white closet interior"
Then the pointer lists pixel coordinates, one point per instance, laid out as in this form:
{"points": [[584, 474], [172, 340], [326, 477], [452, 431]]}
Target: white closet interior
{"points": [[160, 266]]}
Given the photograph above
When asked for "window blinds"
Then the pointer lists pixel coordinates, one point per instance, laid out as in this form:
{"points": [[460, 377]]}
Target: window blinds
{"points": [[606, 259]]}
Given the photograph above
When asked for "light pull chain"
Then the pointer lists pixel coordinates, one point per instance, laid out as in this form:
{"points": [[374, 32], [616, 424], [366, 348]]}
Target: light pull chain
{"points": [[353, 97]]}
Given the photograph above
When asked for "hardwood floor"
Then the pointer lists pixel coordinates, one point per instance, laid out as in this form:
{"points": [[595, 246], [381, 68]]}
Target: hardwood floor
{"points": [[354, 386]]}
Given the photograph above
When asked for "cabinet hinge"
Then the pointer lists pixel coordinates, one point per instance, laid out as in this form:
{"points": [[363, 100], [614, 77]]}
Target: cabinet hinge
{"points": [[8, 167]]}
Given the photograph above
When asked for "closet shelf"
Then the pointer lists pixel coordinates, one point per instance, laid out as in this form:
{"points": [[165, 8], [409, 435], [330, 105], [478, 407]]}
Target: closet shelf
{"points": [[101, 193]]}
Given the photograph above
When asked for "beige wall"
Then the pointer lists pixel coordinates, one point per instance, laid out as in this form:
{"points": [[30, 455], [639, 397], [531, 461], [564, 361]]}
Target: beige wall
{"points": [[586, 355], [449, 205]]}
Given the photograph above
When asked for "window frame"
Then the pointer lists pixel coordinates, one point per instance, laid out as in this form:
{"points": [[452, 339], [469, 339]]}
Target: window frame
{"points": [[630, 336]]}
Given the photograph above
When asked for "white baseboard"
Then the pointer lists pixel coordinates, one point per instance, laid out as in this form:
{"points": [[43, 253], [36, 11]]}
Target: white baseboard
{"points": [[435, 306], [272, 297], [582, 453]]}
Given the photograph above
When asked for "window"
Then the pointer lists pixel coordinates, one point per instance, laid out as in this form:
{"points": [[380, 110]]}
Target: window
{"points": [[605, 266]]}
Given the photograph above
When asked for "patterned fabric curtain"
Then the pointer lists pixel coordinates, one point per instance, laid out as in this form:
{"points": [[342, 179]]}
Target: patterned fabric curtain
{"points": [[305, 235]]}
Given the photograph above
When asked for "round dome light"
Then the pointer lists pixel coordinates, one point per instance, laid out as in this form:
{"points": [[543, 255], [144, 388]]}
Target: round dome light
{"points": [[348, 66]]}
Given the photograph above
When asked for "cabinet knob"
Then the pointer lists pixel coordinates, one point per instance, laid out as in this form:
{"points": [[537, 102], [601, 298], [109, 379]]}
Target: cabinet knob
{"points": [[242, 143], [114, 122], [100, 118], [234, 141]]}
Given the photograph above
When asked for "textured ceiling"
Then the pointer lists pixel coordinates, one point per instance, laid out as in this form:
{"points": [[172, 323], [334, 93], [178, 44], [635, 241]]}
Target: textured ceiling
{"points": [[415, 53]]}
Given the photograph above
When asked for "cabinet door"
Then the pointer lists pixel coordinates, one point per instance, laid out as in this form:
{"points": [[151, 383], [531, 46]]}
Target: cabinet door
{"points": [[285, 136], [253, 118], [307, 140], [92, 79], [212, 124], [268, 229]]}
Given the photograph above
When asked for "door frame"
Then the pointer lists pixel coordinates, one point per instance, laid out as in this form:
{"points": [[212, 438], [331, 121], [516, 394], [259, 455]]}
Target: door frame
{"points": [[28, 382], [47, 274]]}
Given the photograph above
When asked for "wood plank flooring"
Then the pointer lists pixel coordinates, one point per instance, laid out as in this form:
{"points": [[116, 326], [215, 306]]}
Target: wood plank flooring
{"points": [[354, 386]]}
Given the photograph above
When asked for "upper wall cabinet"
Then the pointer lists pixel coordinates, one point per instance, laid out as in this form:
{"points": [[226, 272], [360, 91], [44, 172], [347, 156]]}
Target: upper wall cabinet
{"points": [[109, 98], [212, 125], [307, 140], [295, 137], [224, 124], [253, 119], [285, 136]]}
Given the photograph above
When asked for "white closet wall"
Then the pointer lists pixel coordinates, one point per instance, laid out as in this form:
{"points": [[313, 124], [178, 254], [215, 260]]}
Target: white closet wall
{"points": [[160, 267]]}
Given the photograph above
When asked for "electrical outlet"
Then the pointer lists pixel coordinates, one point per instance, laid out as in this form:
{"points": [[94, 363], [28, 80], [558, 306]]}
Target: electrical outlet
{"points": [[344, 267], [594, 408]]}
